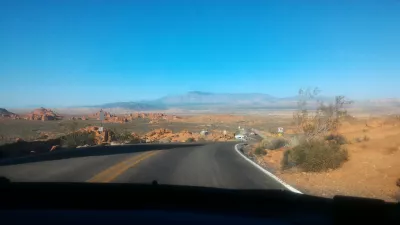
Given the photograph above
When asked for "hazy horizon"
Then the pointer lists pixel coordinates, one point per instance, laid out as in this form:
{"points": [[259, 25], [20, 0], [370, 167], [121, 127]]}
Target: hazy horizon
{"points": [[61, 54], [151, 101]]}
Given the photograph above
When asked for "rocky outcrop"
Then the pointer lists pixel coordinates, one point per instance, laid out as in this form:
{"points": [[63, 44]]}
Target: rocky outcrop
{"points": [[92, 135], [153, 117], [105, 136], [166, 135], [4, 113], [42, 114]]}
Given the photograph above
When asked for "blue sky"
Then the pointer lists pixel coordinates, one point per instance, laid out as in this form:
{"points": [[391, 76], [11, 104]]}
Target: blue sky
{"points": [[62, 53]]}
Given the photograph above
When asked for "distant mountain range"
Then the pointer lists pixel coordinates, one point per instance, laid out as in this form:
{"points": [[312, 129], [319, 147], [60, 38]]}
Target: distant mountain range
{"points": [[140, 106], [201, 98], [207, 100], [228, 102]]}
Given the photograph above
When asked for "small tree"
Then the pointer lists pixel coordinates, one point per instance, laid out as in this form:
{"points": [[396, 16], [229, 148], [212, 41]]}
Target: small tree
{"points": [[324, 119], [317, 151]]}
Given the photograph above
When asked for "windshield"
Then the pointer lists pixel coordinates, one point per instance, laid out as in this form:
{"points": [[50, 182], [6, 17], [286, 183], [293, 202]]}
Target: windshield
{"points": [[295, 95]]}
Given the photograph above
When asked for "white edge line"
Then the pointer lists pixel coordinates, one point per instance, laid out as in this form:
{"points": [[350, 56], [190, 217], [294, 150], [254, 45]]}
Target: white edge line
{"points": [[290, 188]]}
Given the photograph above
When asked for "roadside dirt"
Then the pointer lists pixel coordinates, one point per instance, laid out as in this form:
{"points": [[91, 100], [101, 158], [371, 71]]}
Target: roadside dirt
{"points": [[371, 171]]}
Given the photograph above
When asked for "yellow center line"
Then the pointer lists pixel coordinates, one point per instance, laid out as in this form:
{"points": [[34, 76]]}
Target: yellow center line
{"points": [[116, 170]]}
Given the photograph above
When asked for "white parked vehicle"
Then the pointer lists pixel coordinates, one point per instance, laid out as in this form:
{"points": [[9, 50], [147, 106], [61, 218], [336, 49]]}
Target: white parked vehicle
{"points": [[241, 137]]}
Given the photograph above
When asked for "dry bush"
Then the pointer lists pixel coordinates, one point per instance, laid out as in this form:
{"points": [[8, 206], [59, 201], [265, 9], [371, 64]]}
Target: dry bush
{"points": [[315, 156], [313, 153], [260, 151], [296, 140], [337, 138], [79, 138], [277, 143], [123, 136], [190, 140], [321, 121], [265, 142], [165, 140], [274, 143]]}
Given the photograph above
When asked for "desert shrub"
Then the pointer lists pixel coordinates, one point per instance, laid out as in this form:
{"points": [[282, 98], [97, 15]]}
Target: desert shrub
{"points": [[326, 118], [296, 140], [315, 156], [165, 140], [265, 143], [190, 140], [122, 136], [260, 151], [277, 143], [337, 138], [75, 139], [366, 138]]}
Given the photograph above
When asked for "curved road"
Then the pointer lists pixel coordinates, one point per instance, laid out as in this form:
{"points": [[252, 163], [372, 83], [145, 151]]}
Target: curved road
{"points": [[207, 165]]}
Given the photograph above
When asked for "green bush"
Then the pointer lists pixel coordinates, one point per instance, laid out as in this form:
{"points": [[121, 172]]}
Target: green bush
{"points": [[260, 151], [339, 139], [190, 140], [315, 156], [75, 139]]}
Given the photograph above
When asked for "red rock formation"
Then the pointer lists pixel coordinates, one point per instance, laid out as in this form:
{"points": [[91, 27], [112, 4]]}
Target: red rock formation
{"points": [[7, 114], [42, 114], [106, 136], [153, 117]]}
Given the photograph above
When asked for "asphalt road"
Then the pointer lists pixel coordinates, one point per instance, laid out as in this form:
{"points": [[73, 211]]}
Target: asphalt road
{"points": [[207, 165]]}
